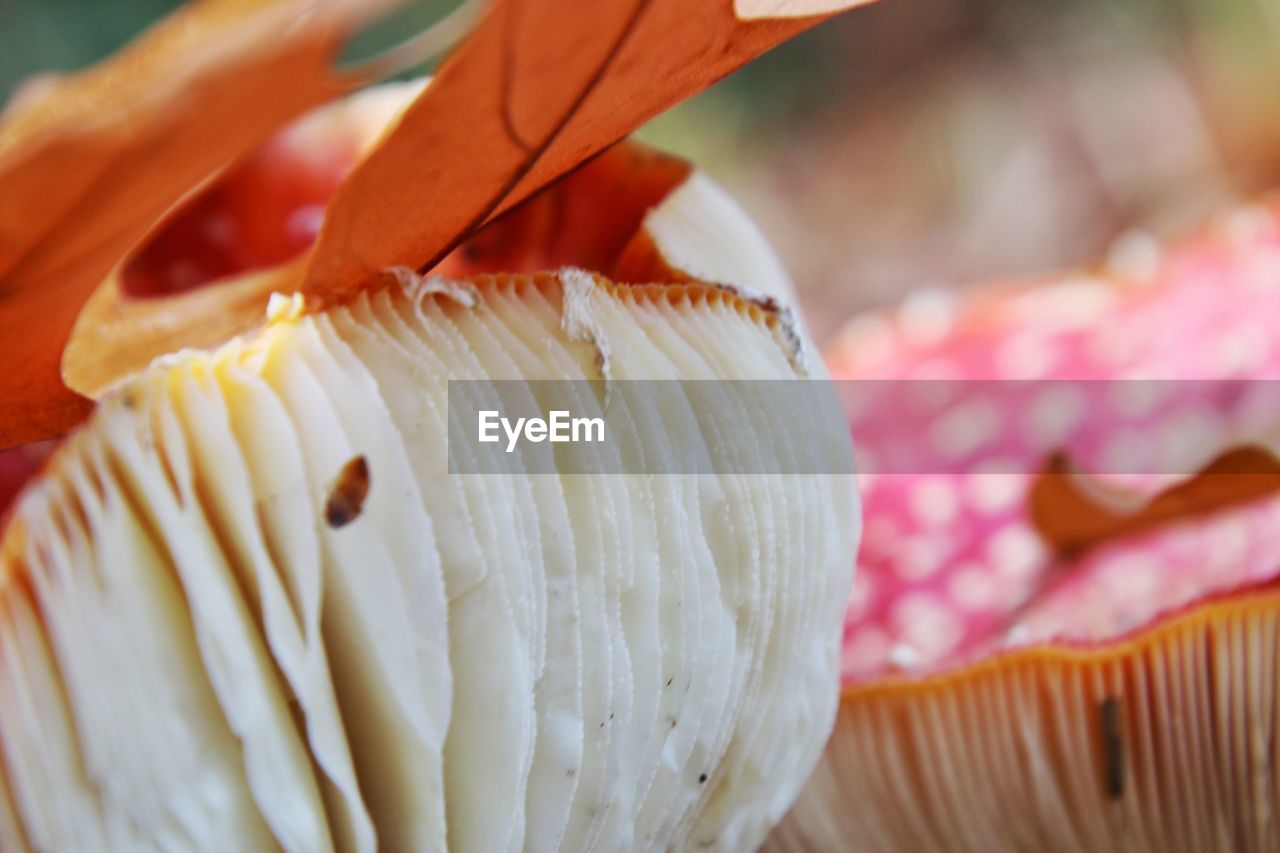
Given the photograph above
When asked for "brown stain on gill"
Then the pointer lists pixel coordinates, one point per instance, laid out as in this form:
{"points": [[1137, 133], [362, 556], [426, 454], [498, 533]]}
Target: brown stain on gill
{"points": [[347, 493]]}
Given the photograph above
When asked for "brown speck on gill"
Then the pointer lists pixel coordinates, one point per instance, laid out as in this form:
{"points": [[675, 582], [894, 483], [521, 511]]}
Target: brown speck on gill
{"points": [[347, 493], [1112, 746]]}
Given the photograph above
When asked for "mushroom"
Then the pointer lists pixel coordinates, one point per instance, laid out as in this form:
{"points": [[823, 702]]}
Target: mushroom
{"points": [[999, 693], [246, 605]]}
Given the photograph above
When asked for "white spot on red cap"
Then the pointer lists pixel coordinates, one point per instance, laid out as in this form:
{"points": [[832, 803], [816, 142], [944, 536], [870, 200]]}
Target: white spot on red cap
{"points": [[1189, 439], [1230, 541], [926, 317], [1054, 415], [1136, 398], [1243, 349], [1249, 224], [974, 587], [904, 656], [1069, 304], [927, 625], [933, 500], [865, 339], [1028, 355], [1016, 636], [1130, 577], [1015, 552], [932, 393], [965, 429], [996, 492], [920, 558]]}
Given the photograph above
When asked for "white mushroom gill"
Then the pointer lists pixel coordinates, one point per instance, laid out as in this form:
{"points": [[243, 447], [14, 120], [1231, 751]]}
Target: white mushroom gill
{"points": [[247, 606]]}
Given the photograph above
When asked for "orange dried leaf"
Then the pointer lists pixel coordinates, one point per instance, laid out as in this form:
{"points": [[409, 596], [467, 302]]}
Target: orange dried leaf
{"points": [[1074, 513], [588, 219], [537, 89], [89, 162], [205, 271]]}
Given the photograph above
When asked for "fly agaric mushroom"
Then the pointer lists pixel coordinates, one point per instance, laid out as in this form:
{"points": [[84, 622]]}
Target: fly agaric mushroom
{"points": [[246, 605], [1002, 692]]}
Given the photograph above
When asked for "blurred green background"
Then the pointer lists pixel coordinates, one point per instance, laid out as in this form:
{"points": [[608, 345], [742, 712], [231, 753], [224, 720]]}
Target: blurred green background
{"points": [[921, 143]]}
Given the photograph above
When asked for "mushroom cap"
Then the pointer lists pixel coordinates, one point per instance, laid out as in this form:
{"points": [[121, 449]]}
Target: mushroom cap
{"points": [[998, 695], [249, 605]]}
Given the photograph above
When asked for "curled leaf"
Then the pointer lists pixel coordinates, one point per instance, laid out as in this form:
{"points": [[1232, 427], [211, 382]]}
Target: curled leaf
{"points": [[89, 162], [1074, 512], [205, 272], [588, 219], [159, 302], [537, 89]]}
